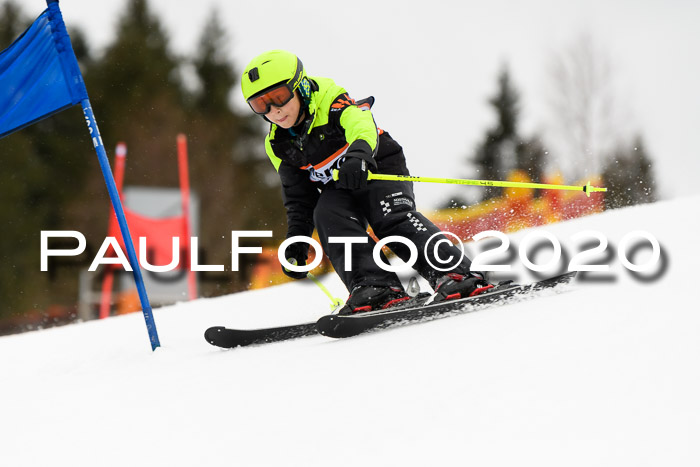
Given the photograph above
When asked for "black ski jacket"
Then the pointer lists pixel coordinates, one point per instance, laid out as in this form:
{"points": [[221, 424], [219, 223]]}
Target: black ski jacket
{"points": [[306, 155]]}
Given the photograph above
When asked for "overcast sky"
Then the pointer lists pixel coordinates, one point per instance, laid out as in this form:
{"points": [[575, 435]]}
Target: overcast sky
{"points": [[433, 66]]}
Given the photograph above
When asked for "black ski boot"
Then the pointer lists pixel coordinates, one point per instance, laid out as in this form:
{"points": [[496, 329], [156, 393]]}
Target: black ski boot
{"points": [[370, 297], [453, 286]]}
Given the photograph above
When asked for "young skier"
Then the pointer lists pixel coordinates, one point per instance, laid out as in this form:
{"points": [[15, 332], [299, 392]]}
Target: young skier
{"points": [[317, 128]]}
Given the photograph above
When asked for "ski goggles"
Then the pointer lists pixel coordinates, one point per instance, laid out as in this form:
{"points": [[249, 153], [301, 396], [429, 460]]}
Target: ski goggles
{"points": [[277, 96]]}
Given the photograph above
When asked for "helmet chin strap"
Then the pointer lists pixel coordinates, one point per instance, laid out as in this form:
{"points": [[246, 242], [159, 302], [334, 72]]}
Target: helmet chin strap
{"points": [[302, 109]]}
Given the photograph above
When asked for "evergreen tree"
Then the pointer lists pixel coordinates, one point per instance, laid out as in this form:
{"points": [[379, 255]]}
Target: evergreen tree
{"points": [[138, 96], [507, 106], [488, 162], [214, 70], [503, 149], [629, 177], [531, 157]]}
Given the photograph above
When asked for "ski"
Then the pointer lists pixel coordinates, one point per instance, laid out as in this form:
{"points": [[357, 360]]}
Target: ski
{"points": [[351, 325], [339, 326], [229, 338]]}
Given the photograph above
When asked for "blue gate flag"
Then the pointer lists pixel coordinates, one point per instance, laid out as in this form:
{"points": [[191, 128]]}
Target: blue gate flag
{"points": [[38, 76]]}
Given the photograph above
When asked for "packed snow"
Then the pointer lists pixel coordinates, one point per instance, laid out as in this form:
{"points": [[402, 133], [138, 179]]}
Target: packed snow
{"points": [[604, 373]]}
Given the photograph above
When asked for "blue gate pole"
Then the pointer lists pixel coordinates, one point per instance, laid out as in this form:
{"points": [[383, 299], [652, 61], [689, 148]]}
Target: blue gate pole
{"points": [[121, 218], [78, 92]]}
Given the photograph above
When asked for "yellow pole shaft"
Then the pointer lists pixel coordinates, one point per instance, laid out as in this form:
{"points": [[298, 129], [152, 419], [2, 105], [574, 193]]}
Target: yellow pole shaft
{"points": [[588, 189]]}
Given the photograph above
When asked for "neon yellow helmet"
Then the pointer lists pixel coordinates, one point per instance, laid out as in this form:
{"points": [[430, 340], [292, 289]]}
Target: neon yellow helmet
{"points": [[269, 69]]}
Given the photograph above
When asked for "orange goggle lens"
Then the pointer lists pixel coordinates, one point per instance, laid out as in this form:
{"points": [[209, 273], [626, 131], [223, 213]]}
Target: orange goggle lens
{"points": [[278, 97]]}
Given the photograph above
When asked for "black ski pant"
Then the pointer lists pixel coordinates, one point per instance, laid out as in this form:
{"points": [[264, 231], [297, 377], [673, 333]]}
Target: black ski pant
{"points": [[389, 208]]}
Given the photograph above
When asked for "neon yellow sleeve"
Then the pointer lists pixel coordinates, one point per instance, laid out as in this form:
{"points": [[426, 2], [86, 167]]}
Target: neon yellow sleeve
{"points": [[359, 124]]}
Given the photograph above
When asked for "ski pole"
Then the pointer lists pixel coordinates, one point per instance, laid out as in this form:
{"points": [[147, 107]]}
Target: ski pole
{"points": [[335, 301], [587, 188]]}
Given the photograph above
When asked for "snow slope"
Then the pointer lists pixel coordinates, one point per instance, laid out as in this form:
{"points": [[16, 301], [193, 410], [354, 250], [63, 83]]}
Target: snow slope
{"points": [[605, 374]]}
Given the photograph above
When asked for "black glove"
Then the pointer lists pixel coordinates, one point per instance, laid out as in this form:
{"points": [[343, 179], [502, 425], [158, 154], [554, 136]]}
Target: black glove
{"points": [[296, 254], [353, 173]]}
